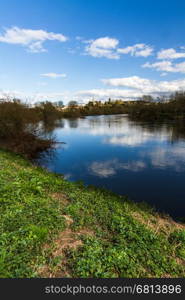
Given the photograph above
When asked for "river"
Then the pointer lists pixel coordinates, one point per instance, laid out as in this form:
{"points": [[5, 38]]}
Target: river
{"points": [[144, 161]]}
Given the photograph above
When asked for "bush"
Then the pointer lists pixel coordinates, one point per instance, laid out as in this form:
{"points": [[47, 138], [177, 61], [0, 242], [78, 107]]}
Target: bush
{"points": [[19, 129]]}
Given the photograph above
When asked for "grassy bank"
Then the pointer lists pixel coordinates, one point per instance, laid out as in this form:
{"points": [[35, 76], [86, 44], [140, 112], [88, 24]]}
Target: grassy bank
{"points": [[54, 228]]}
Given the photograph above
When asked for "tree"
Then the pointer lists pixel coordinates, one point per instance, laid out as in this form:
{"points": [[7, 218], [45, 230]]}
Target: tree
{"points": [[72, 103], [48, 111], [147, 98], [60, 103]]}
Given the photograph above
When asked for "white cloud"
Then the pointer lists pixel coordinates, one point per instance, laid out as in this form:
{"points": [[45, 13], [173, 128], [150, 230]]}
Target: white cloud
{"points": [[166, 66], [160, 66], [32, 39], [53, 75], [173, 157], [131, 82], [36, 97], [180, 67], [105, 43], [134, 139], [170, 54], [10, 94], [132, 88], [103, 169], [107, 47], [106, 93], [137, 50], [143, 85], [119, 131], [103, 47], [64, 96], [109, 168], [134, 166]]}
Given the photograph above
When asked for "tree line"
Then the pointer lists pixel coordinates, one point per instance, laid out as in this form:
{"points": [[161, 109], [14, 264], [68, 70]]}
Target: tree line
{"points": [[24, 129]]}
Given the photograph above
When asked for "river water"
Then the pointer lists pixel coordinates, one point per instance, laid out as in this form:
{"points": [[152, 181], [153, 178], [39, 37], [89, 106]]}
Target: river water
{"points": [[144, 161]]}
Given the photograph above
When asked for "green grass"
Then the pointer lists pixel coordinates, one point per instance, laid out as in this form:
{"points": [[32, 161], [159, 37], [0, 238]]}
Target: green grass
{"points": [[127, 240], [29, 217]]}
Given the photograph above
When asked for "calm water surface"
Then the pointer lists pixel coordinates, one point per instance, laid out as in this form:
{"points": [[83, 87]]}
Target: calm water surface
{"points": [[141, 160]]}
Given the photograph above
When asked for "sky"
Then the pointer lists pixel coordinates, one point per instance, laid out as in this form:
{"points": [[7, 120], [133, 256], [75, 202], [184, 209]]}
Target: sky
{"points": [[83, 49]]}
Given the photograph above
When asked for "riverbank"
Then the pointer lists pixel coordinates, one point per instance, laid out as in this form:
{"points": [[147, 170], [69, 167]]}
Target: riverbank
{"points": [[51, 227], [23, 129], [144, 109]]}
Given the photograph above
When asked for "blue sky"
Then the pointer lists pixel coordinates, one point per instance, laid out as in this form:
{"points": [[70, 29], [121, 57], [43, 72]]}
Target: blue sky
{"points": [[84, 49]]}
